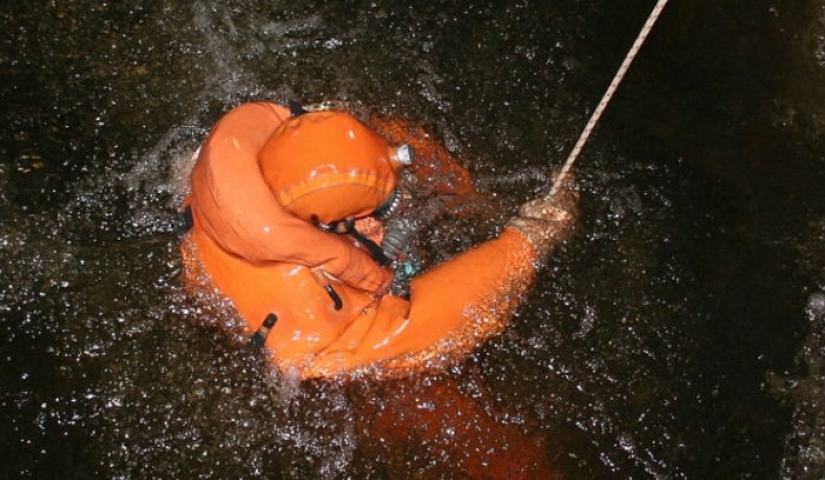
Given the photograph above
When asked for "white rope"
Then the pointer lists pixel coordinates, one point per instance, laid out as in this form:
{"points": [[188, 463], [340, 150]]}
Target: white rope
{"points": [[611, 89]]}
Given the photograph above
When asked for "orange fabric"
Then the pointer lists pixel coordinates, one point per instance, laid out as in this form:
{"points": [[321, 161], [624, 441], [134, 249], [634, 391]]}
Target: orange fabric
{"points": [[479, 445], [328, 166], [433, 162], [451, 309], [236, 208]]}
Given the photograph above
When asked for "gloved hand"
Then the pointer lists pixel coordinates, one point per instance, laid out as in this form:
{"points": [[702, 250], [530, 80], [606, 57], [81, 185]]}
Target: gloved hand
{"points": [[547, 221]]}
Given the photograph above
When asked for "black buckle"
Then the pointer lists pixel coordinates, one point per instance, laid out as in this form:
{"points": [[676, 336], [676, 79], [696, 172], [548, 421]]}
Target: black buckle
{"points": [[186, 221], [295, 108]]}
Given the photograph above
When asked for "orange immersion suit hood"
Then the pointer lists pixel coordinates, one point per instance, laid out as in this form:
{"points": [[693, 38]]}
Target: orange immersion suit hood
{"points": [[328, 166]]}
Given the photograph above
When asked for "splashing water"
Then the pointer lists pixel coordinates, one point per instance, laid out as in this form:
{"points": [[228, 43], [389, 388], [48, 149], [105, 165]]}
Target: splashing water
{"points": [[642, 351]]}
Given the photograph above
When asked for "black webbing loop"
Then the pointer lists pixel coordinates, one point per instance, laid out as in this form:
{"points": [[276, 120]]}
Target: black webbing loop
{"points": [[259, 337]]}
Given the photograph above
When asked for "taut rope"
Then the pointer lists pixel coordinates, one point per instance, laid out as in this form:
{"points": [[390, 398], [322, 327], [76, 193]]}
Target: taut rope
{"points": [[611, 89]]}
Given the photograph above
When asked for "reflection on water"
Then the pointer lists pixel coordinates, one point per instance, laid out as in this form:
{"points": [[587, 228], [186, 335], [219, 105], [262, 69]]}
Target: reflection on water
{"points": [[669, 339]]}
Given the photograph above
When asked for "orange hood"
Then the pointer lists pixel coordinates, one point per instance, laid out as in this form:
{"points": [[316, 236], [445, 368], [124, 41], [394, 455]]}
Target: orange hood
{"points": [[328, 166]]}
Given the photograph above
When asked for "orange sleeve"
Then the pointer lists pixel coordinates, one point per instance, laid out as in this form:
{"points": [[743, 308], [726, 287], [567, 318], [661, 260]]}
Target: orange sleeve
{"points": [[235, 207]]}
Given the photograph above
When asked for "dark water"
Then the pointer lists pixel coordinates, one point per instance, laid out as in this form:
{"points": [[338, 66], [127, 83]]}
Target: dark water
{"points": [[679, 335]]}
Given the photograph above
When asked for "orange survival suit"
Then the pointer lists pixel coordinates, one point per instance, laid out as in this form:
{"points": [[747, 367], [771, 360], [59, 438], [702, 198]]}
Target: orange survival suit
{"points": [[270, 192]]}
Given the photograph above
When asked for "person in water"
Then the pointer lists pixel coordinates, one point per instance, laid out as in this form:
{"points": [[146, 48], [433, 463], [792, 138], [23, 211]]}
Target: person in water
{"points": [[289, 212]]}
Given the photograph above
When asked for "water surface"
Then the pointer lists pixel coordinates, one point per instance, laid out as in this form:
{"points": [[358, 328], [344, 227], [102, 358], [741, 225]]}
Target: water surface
{"points": [[678, 335]]}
